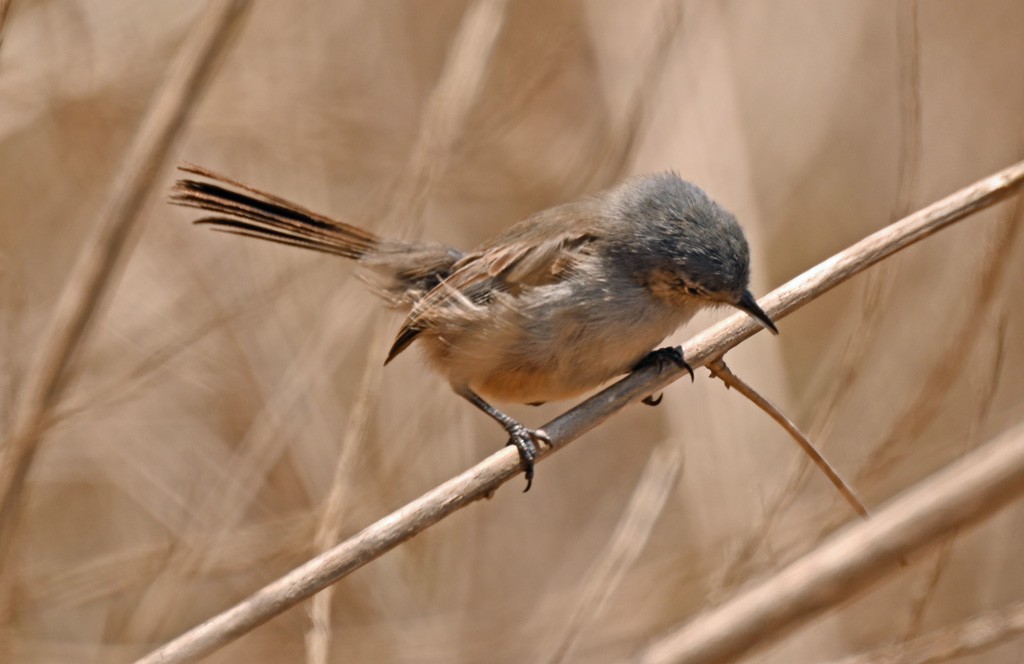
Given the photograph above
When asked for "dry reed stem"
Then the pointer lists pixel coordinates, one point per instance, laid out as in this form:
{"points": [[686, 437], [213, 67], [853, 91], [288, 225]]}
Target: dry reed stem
{"points": [[970, 637], [852, 366], [908, 43], [5, 8], [660, 476], [230, 496], [925, 591], [613, 160], [721, 370], [448, 108], [332, 512], [485, 477], [227, 502], [912, 420], [108, 576], [923, 596], [130, 383], [962, 493], [454, 96], [947, 370], [104, 253], [877, 292]]}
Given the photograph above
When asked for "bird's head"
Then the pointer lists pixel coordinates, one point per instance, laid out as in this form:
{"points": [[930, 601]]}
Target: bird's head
{"points": [[685, 248]]}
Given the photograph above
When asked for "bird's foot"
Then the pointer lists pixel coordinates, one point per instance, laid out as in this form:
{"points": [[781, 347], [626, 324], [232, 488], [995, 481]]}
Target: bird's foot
{"points": [[662, 358], [526, 441]]}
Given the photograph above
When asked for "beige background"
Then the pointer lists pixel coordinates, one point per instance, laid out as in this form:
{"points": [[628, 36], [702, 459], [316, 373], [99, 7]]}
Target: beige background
{"points": [[216, 403]]}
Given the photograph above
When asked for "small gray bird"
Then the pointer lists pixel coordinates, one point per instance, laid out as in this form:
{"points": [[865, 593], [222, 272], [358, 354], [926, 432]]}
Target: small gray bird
{"points": [[553, 307]]}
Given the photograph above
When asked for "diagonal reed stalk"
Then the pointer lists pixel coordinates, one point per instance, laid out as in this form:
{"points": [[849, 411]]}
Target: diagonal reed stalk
{"points": [[971, 637], [105, 252], [962, 493], [453, 98], [488, 475]]}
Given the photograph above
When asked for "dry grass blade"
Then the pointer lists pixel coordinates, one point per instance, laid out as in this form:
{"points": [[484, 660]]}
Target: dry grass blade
{"points": [[485, 477], [634, 529], [924, 595], [971, 637], [964, 492], [104, 253], [720, 370], [908, 42], [135, 379], [618, 152]]}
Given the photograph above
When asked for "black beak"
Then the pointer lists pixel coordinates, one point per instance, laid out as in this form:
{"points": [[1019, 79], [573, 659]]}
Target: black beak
{"points": [[748, 304]]}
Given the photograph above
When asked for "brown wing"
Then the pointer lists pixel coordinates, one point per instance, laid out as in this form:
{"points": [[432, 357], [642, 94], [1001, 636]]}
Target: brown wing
{"points": [[506, 266]]}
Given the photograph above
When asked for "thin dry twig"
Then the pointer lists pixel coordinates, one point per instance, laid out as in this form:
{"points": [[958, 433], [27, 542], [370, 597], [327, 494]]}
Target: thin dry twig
{"points": [[720, 370], [962, 493], [971, 637], [484, 478], [95, 272], [852, 364]]}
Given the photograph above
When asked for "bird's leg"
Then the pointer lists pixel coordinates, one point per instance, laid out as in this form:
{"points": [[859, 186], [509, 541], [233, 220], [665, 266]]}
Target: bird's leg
{"points": [[661, 358], [523, 438]]}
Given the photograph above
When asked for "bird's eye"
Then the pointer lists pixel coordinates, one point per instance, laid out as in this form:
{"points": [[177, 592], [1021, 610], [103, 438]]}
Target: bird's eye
{"points": [[693, 290]]}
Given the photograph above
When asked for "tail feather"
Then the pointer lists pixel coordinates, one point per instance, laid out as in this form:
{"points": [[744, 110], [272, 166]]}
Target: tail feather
{"points": [[244, 210], [400, 272]]}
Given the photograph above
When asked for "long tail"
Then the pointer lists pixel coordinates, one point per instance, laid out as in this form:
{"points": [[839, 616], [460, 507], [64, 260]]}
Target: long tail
{"points": [[243, 210], [400, 272]]}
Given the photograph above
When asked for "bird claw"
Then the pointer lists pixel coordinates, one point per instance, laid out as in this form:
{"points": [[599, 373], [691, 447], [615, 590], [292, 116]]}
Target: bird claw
{"points": [[661, 358], [525, 441], [651, 400]]}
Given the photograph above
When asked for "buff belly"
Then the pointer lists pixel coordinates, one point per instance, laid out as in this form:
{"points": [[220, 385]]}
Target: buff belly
{"points": [[551, 359]]}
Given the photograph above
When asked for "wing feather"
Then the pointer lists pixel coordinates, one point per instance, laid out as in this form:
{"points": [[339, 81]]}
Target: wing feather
{"points": [[505, 267]]}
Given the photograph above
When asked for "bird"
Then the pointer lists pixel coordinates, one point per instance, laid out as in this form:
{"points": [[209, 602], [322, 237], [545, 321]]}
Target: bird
{"points": [[550, 309]]}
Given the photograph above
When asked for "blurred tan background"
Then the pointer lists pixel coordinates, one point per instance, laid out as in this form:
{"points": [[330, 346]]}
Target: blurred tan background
{"points": [[229, 414]]}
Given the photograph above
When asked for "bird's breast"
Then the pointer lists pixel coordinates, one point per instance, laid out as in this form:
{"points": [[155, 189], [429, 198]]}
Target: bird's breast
{"points": [[553, 343]]}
